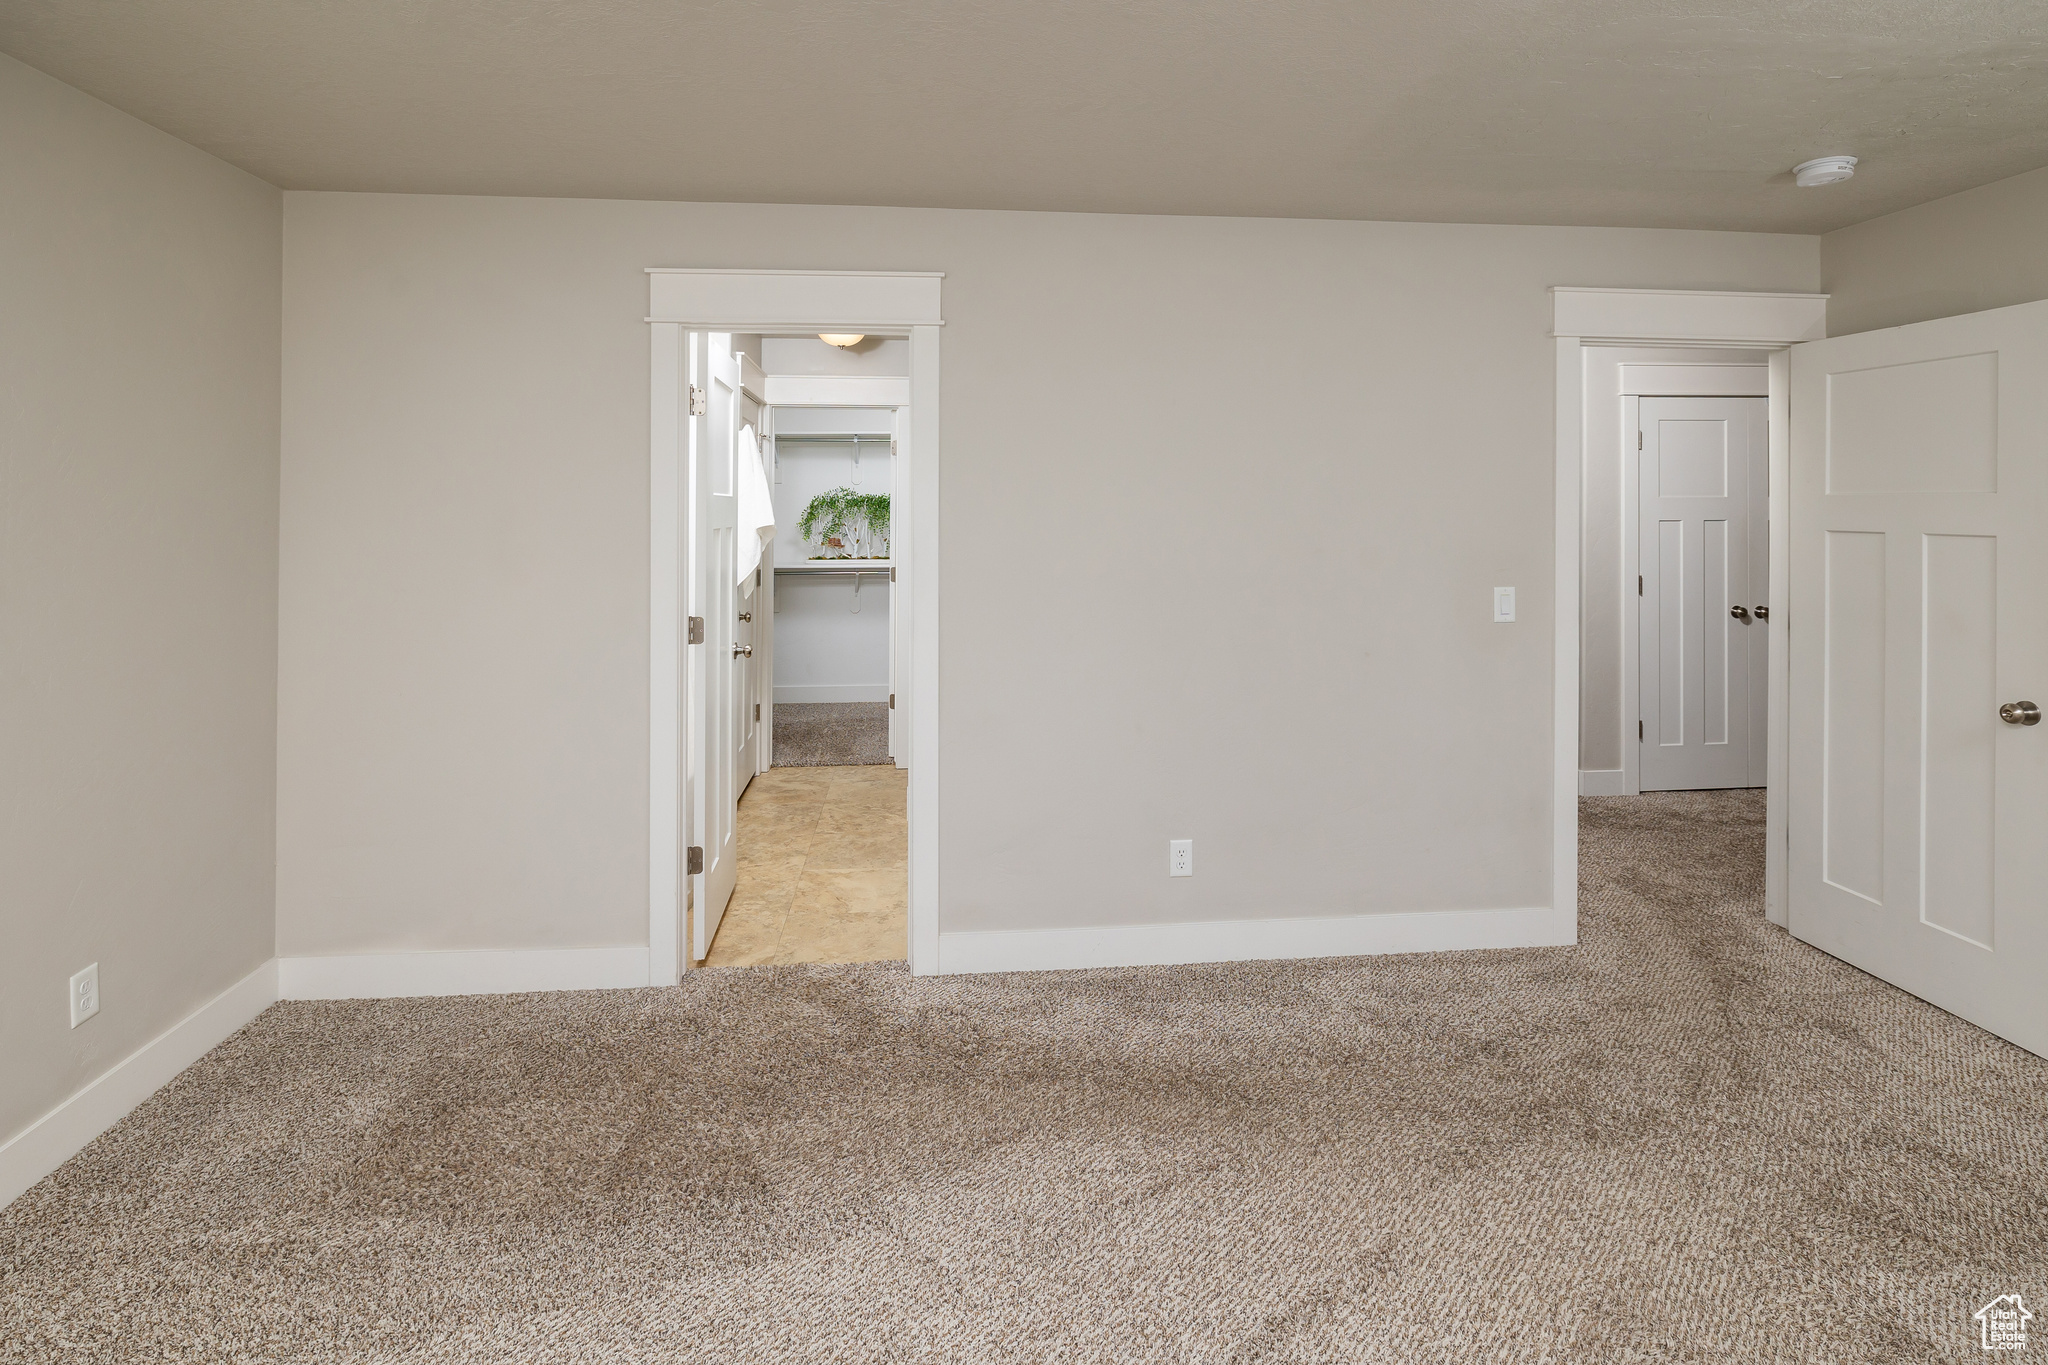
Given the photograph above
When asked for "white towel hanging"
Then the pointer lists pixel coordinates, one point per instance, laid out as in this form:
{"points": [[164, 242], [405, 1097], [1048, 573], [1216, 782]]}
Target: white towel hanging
{"points": [[757, 505]]}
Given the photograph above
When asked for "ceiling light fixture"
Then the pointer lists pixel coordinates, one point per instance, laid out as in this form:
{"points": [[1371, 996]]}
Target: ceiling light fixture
{"points": [[1824, 170], [842, 338]]}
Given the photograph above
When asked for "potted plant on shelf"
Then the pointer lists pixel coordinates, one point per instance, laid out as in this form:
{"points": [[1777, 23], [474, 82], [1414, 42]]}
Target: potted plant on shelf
{"points": [[847, 525]]}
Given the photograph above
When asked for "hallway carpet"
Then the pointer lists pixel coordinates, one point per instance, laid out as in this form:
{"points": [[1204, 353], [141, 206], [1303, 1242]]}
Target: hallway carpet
{"points": [[829, 734], [1688, 1139]]}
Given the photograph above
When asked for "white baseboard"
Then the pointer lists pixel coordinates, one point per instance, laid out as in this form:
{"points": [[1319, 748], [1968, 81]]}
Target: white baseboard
{"points": [[1252, 940], [1603, 782], [833, 692], [58, 1135], [377, 976]]}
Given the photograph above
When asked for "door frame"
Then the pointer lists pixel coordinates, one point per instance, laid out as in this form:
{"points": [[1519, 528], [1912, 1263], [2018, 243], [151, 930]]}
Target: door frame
{"points": [[877, 303], [1738, 320]]}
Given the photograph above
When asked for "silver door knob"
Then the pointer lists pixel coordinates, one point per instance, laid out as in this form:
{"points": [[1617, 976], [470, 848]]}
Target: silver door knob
{"points": [[739, 649], [2020, 713], [1739, 613], [746, 616], [1763, 613]]}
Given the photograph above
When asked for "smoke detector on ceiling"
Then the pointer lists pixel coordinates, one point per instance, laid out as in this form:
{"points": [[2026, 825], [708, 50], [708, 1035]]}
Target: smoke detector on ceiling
{"points": [[1824, 170]]}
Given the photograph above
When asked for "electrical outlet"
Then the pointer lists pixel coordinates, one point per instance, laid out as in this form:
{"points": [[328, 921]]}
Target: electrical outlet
{"points": [[85, 994], [1180, 857], [1503, 604]]}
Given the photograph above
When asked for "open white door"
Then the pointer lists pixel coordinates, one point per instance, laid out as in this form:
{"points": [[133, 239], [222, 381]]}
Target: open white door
{"points": [[749, 633], [713, 599], [1919, 547], [899, 633]]}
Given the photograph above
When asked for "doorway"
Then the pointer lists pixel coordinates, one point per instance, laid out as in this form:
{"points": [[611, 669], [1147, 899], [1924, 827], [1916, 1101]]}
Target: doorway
{"points": [[1675, 568], [696, 725], [820, 820], [1904, 523]]}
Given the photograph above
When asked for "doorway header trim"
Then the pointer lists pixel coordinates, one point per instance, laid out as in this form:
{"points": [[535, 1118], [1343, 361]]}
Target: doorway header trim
{"points": [[1691, 317], [875, 302]]}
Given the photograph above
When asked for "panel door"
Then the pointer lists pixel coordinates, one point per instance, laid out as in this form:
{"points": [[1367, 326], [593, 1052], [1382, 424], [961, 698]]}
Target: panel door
{"points": [[1919, 463], [1698, 639], [713, 596], [746, 710]]}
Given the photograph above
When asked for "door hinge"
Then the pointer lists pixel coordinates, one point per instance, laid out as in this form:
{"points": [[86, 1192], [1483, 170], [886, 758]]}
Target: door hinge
{"points": [[696, 630], [757, 710], [693, 860], [1639, 435], [1639, 585], [1639, 732], [697, 405], [892, 701]]}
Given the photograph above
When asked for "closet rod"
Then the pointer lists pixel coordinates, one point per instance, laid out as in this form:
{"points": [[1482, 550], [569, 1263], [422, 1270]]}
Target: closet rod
{"points": [[834, 438], [883, 572]]}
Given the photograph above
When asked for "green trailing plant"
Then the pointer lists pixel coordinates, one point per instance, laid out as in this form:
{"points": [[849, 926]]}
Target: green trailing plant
{"points": [[840, 514]]}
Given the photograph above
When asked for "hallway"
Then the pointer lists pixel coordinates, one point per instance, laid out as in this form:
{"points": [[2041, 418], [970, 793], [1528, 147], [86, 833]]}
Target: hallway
{"points": [[822, 878]]}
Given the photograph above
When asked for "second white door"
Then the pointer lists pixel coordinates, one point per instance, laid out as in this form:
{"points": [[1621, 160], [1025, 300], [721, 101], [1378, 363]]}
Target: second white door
{"points": [[713, 600], [1702, 550]]}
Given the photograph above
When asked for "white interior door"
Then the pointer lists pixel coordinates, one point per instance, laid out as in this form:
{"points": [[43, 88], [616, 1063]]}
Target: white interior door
{"points": [[713, 598], [899, 634], [1700, 645], [748, 631], [1919, 515], [746, 689]]}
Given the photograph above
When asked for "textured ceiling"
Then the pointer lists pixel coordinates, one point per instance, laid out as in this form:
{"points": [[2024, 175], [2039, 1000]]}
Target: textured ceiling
{"points": [[1639, 112]]}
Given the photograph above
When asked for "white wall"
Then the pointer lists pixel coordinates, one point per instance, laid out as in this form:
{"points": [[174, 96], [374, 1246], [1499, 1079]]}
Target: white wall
{"points": [[139, 317], [462, 692], [888, 357], [824, 650], [1607, 592], [1983, 248]]}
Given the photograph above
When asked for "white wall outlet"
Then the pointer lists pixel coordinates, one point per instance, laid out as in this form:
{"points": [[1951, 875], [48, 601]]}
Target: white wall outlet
{"points": [[1180, 857], [85, 994], [1503, 604]]}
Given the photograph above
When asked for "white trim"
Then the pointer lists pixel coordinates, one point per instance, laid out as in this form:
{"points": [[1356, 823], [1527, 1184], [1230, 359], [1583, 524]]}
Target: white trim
{"points": [[683, 300], [815, 692], [1631, 602], [871, 301], [665, 762], [1778, 682], [1694, 317], [380, 976], [835, 391], [1251, 940], [1605, 782], [1681, 379], [1661, 317], [1564, 708], [917, 454], [59, 1135]]}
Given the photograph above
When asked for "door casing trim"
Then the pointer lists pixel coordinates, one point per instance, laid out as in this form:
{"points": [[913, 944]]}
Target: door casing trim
{"points": [[878, 303], [1667, 317]]}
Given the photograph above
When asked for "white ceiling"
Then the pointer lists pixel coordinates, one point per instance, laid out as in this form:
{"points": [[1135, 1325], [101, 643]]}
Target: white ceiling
{"points": [[1663, 113]]}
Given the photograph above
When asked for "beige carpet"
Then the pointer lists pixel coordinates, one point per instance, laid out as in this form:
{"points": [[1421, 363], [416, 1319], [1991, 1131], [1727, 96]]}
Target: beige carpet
{"points": [[1689, 1139], [826, 734]]}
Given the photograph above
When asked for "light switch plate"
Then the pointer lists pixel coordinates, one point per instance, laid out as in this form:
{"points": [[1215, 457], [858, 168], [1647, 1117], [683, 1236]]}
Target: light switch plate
{"points": [[1503, 604]]}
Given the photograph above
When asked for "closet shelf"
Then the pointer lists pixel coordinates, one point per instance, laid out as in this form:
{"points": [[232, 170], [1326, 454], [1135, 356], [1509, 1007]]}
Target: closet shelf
{"points": [[837, 566]]}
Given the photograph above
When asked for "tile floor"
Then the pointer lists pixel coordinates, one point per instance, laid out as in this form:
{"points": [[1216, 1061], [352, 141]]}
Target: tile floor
{"points": [[823, 858]]}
